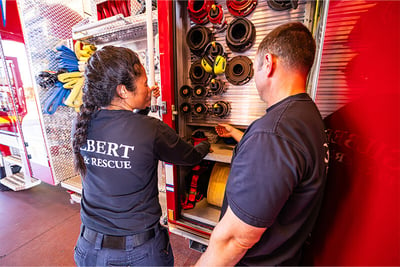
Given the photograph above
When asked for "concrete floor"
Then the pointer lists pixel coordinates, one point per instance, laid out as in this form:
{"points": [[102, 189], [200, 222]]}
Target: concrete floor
{"points": [[39, 227]]}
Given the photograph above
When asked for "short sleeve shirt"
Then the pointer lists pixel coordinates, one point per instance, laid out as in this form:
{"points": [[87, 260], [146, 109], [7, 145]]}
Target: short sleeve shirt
{"points": [[277, 176]]}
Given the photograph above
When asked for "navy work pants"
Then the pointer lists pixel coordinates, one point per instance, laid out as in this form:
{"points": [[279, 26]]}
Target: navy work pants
{"points": [[155, 252]]}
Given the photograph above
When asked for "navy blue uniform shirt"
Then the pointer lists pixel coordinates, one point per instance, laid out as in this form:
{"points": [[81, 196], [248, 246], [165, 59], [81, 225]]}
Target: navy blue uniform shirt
{"points": [[120, 190], [277, 177]]}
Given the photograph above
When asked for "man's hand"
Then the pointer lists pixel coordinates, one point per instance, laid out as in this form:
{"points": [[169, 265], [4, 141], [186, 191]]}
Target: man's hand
{"points": [[226, 131]]}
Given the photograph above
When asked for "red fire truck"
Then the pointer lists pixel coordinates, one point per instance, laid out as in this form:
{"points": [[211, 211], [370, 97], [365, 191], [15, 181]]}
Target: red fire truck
{"points": [[201, 52]]}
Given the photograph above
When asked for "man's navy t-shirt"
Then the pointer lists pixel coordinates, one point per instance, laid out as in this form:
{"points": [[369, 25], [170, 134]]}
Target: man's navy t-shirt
{"points": [[277, 177], [120, 189]]}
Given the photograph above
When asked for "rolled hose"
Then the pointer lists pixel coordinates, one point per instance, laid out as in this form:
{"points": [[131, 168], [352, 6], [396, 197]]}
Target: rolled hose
{"points": [[214, 49], [185, 108], [200, 108], [239, 70], [240, 35], [197, 38], [217, 183], [185, 91], [216, 86], [221, 108], [241, 8], [198, 10], [282, 5], [197, 74], [200, 91], [216, 14]]}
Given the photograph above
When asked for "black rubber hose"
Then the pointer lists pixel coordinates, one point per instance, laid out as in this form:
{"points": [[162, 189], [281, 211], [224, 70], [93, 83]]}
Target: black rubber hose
{"points": [[197, 74], [185, 91], [239, 70], [197, 38], [216, 86], [220, 108], [185, 108], [240, 34], [199, 91], [200, 108], [282, 5]]}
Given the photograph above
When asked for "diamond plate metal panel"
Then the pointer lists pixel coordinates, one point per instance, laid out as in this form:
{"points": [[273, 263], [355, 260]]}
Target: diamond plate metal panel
{"points": [[135, 6], [47, 24]]}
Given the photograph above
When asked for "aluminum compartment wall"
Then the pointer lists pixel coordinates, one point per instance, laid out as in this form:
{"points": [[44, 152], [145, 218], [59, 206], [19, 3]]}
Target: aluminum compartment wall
{"points": [[333, 90], [246, 105]]}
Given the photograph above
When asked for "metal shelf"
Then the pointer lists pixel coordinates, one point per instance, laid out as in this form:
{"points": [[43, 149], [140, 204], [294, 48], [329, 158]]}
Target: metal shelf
{"points": [[221, 153], [74, 184], [203, 212], [114, 28]]}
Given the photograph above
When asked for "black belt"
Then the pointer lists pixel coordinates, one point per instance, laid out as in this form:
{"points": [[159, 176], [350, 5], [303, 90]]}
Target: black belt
{"points": [[118, 242]]}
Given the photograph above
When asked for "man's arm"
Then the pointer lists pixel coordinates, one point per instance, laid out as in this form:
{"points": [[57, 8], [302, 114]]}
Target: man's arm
{"points": [[229, 241]]}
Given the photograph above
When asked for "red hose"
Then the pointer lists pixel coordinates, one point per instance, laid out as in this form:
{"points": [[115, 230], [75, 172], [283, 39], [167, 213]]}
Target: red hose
{"points": [[241, 8], [198, 10]]}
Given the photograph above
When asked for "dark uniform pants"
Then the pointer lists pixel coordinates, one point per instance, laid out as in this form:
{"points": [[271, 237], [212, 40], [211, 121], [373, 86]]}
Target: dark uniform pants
{"points": [[154, 252]]}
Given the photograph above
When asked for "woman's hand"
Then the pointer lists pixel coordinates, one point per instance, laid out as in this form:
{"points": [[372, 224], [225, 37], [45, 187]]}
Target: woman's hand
{"points": [[155, 90]]}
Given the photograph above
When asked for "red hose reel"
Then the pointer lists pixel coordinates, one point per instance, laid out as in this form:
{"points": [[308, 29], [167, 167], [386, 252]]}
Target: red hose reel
{"points": [[241, 8], [216, 14], [198, 10]]}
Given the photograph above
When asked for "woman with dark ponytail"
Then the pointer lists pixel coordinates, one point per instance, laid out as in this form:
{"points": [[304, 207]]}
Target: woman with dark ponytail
{"points": [[117, 152]]}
